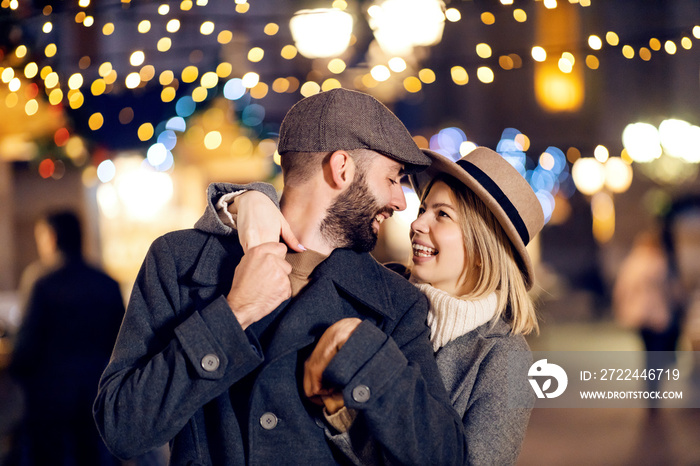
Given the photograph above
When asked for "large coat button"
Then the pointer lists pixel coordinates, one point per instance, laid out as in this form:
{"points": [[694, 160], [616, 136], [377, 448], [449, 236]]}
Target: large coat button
{"points": [[210, 362], [361, 393], [268, 421]]}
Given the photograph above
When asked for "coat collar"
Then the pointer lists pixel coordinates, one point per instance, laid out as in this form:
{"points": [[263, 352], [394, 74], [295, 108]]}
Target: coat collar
{"points": [[360, 276]]}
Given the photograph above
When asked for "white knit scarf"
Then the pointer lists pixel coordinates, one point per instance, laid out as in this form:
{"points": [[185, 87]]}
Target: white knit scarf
{"points": [[450, 317]]}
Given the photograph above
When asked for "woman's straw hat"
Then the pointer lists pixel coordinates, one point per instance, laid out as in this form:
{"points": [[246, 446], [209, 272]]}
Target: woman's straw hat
{"points": [[502, 188]]}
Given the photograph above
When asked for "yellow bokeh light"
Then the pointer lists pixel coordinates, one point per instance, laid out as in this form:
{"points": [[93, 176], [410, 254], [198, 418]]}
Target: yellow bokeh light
{"points": [[485, 74], [250, 79], [288, 52], [164, 44], [212, 140], [397, 64], [11, 100], [330, 83], [199, 94], [55, 96], [380, 73], [76, 100], [271, 29], [173, 26], [31, 107], [256, 54], [426, 75], [108, 29], [137, 58], [144, 26], [133, 80], [539, 54], [104, 69], [75, 81], [592, 62], [145, 132], [645, 54], [453, 15], [280, 85], [655, 44], [670, 47], [612, 38], [190, 74], [310, 88], [168, 94], [259, 91], [98, 86], [166, 77], [209, 80], [31, 69], [595, 42], [111, 77], [45, 71], [224, 69], [412, 84], [488, 18], [224, 37], [336, 66], [207, 28], [459, 75], [50, 50], [51, 80], [627, 52], [519, 15], [147, 73], [14, 85], [483, 50]]}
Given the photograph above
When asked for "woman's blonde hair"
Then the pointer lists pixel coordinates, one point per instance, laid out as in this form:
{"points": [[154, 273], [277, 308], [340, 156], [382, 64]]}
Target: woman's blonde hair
{"points": [[490, 254]]}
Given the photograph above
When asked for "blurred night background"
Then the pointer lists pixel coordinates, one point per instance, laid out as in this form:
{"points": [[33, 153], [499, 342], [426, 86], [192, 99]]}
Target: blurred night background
{"points": [[124, 111]]}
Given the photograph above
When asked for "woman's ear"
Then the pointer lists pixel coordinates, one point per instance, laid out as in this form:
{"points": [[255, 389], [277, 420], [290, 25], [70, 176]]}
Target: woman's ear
{"points": [[341, 169]]}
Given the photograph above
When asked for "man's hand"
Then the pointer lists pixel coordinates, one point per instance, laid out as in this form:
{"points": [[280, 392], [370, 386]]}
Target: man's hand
{"points": [[260, 221], [260, 283], [327, 347]]}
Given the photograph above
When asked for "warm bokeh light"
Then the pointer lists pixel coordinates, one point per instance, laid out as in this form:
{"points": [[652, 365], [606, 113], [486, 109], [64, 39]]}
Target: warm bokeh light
{"points": [[324, 32]]}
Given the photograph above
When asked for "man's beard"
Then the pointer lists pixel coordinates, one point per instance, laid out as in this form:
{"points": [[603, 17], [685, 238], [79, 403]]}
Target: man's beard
{"points": [[348, 221]]}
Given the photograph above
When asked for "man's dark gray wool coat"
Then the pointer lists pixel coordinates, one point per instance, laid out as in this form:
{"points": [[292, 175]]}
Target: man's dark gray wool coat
{"points": [[182, 364]]}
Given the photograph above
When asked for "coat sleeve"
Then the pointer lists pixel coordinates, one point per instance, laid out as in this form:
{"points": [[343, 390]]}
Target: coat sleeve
{"points": [[404, 414], [167, 362], [499, 407], [210, 222]]}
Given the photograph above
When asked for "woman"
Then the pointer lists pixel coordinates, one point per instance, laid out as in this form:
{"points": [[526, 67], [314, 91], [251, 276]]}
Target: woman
{"points": [[470, 259]]}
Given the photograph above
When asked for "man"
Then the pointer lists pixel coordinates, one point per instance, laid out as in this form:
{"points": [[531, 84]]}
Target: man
{"points": [[211, 354], [72, 314]]}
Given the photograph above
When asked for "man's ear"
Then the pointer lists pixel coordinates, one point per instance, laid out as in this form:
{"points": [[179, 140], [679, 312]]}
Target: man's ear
{"points": [[341, 169]]}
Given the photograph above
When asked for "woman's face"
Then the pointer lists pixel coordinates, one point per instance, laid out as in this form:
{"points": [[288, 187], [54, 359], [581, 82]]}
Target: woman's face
{"points": [[438, 243]]}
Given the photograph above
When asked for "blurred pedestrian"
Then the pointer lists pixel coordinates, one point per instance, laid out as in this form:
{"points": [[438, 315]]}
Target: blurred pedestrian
{"points": [[71, 317], [647, 297]]}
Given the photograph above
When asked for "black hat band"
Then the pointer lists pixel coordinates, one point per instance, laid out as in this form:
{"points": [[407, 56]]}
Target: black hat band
{"points": [[484, 180]]}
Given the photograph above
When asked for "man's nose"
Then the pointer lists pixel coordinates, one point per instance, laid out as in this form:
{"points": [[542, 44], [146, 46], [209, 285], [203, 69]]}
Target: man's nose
{"points": [[398, 199]]}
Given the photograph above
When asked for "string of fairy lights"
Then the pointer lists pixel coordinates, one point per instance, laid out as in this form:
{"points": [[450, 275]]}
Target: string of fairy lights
{"points": [[182, 32]]}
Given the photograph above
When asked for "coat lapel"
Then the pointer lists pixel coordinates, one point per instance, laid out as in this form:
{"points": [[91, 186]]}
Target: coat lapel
{"points": [[346, 284]]}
